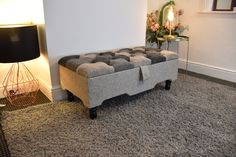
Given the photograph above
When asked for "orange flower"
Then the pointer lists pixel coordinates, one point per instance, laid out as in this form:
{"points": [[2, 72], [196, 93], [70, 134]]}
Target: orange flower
{"points": [[155, 27]]}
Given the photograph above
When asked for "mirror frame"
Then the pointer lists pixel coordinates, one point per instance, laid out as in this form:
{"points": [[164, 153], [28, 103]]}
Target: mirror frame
{"points": [[227, 6]]}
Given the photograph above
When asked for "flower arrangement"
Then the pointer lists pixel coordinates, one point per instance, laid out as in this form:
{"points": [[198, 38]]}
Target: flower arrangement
{"points": [[157, 28]]}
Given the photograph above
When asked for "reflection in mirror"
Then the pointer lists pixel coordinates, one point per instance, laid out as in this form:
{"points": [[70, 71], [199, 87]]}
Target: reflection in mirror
{"points": [[223, 5]]}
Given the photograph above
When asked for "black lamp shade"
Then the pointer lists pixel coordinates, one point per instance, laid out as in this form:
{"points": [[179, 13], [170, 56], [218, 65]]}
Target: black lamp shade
{"points": [[18, 43]]}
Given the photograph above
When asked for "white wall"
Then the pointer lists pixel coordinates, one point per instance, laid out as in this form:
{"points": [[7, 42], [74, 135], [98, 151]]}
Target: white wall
{"points": [[212, 41], [79, 26], [155, 5]]}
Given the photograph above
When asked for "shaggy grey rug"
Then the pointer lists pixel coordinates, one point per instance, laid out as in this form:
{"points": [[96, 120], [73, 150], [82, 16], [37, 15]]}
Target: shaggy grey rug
{"points": [[195, 118]]}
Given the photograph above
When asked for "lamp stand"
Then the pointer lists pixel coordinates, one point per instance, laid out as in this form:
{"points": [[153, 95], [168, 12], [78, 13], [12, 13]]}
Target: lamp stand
{"points": [[20, 84], [169, 36]]}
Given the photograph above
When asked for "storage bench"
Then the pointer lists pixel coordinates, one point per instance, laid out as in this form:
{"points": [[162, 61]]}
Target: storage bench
{"points": [[95, 77]]}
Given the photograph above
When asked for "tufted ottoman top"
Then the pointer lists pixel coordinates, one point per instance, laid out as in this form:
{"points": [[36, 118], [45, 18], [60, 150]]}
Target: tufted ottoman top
{"points": [[96, 64]]}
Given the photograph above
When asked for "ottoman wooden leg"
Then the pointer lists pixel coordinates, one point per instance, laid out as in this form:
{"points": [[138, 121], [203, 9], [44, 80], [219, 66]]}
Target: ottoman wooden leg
{"points": [[168, 84], [93, 113], [70, 96]]}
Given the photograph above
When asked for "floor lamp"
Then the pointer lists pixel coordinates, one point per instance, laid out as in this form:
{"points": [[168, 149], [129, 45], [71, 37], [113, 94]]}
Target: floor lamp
{"points": [[19, 43]]}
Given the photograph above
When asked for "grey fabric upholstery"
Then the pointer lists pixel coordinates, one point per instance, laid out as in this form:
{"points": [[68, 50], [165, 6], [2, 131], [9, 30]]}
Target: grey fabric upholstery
{"points": [[156, 58], [140, 61], [121, 56], [169, 55], [139, 49], [120, 59], [103, 58], [153, 49], [121, 64], [145, 73], [152, 52], [88, 57], [108, 53], [124, 53], [63, 60], [139, 54], [94, 69], [72, 64], [125, 50]]}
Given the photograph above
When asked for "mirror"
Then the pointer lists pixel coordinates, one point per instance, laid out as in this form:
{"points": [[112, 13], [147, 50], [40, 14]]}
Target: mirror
{"points": [[223, 5]]}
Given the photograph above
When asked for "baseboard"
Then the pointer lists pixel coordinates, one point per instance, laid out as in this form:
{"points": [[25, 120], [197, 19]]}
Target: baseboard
{"points": [[46, 90], [53, 94], [58, 94], [209, 70]]}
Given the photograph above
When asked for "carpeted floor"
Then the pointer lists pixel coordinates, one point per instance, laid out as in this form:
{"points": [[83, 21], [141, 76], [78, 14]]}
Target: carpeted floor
{"points": [[23, 103], [195, 118], [4, 151]]}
